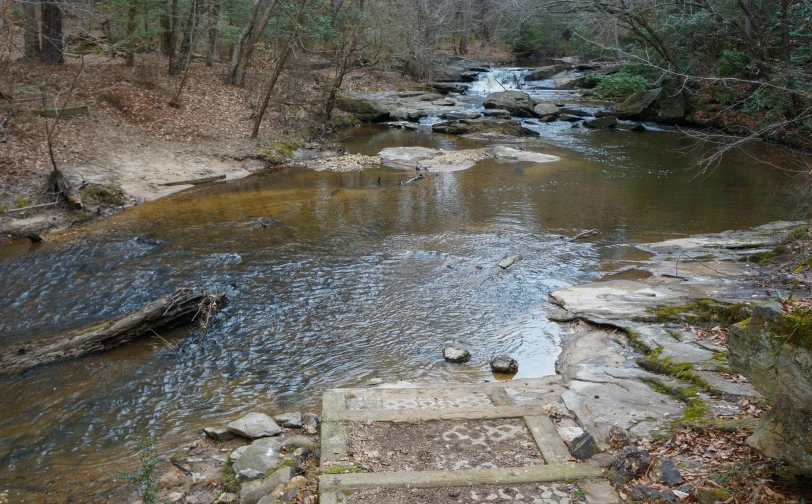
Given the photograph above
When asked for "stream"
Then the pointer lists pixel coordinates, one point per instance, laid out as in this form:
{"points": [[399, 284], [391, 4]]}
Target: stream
{"points": [[350, 281]]}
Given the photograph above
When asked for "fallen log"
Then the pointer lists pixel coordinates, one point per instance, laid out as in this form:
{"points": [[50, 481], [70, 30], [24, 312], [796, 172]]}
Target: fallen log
{"points": [[181, 307], [194, 181]]}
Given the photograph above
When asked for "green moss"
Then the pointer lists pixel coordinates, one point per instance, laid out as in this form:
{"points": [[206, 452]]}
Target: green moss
{"points": [[685, 394], [3, 209], [21, 202], [229, 480], [81, 217], [765, 257], [720, 356], [697, 409], [341, 469], [702, 311], [101, 195], [797, 234], [636, 342], [674, 334], [679, 370], [705, 257]]}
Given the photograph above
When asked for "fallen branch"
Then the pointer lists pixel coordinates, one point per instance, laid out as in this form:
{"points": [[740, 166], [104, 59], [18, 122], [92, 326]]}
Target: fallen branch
{"points": [[182, 307], [418, 177], [195, 181], [585, 233], [31, 207], [60, 185]]}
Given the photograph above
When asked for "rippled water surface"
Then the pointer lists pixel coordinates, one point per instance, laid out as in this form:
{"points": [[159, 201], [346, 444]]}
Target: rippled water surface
{"points": [[353, 279]]}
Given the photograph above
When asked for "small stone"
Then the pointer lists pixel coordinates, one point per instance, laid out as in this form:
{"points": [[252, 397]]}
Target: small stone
{"points": [[197, 477], [290, 494], [707, 495], [570, 434], [226, 497], [173, 498], [249, 474], [619, 437], [279, 491], [298, 481], [584, 447], [504, 364], [456, 352], [294, 442], [254, 425], [311, 420], [219, 433], [602, 460], [665, 471], [631, 461], [645, 494], [290, 420]]}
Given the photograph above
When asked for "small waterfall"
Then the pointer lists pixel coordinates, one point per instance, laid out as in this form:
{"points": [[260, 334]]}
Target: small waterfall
{"points": [[499, 79]]}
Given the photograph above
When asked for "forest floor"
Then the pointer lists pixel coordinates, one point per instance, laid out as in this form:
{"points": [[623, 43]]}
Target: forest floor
{"points": [[134, 138]]}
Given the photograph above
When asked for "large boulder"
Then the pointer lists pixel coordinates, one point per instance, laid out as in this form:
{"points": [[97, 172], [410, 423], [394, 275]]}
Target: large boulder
{"points": [[672, 108], [546, 72], [774, 352], [448, 67], [518, 103], [638, 106], [569, 83], [546, 109], [485, 125], [365, 110]]}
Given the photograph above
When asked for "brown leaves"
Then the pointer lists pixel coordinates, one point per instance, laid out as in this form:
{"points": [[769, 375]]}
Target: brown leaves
{"points": [[719, 459]]}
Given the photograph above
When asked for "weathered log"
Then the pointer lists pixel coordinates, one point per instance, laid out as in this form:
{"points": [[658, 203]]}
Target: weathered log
{"points": [[181, 307], [61, 186], [195, 181]]}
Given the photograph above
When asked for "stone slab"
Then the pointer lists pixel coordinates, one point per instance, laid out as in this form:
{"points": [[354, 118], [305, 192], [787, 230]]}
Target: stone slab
{"points": [[434, 479]]}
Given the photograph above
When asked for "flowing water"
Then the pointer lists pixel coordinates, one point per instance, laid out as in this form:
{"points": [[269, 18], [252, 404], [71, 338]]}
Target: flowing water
{"points": [[353, 279]]}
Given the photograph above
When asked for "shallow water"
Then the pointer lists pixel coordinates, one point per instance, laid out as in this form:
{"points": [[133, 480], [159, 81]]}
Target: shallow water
{"points": [[357, 280]]}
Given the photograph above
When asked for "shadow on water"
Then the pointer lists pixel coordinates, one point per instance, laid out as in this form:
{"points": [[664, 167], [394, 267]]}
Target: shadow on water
{"points": [[347, 280]]}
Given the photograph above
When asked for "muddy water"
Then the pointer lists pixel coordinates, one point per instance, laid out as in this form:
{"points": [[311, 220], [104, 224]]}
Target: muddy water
{"points": [[352, 280]]}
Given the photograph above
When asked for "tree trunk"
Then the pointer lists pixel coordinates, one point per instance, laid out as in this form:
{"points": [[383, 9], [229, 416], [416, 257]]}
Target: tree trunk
{"points": [[181, 60], [244, 47], [52, 44], [182, 307], [215, 14], [277, 71], [174, 29], [166, 27], [131, 45], [31, 25]]}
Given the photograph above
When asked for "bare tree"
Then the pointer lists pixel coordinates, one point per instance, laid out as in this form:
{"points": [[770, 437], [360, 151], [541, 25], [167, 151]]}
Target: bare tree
{"points": [[244, 45], [281, 60]]}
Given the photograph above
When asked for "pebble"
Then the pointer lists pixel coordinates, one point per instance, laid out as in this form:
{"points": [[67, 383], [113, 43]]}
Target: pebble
{"points": [[504, 364]]}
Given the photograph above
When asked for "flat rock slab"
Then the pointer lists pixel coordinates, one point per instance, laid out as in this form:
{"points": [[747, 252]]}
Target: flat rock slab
{"points": [[550, 493], [254, 425], [615, 299], [443, 445], [406, 158]]}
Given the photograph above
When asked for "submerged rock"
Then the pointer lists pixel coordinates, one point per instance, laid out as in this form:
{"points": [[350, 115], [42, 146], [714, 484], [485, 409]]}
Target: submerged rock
{"points": [[509, 261], [504, 364], [456, 352], [502, 152], [774, 352], [254, 425], [601, 122], [485, 125]]}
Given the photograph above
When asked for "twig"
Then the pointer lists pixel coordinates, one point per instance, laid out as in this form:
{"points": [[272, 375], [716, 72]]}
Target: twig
{"points": [[584, 233], [32, 206]]}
